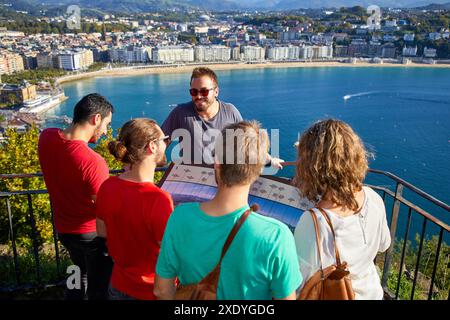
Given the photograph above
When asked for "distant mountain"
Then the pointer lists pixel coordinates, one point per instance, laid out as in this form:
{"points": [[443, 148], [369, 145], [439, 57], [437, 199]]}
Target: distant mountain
{"points": [[148, 5], [132, 6], [30, 6], [435, 6], [306, 4]]}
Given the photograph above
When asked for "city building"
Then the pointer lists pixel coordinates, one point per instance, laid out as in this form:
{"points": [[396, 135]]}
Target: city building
{"points": [[173, 54], [29, 61], [340, 51], [47, 60], [316, 52], [409, 37], [409, 51], [10, 62], [388, 51], [435, 36], [130, 54], [283, 53], [75, 60], [236, 53], [212, 53], [429, 52], [252, 53], [17, 93], [358, 48]]}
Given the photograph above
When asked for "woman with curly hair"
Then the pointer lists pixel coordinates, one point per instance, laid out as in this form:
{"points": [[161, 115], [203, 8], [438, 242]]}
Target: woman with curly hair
{"points": [[330, 170]]}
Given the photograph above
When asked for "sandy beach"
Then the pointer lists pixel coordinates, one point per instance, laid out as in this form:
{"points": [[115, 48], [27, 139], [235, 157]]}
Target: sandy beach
{"points": [[141, 70]]}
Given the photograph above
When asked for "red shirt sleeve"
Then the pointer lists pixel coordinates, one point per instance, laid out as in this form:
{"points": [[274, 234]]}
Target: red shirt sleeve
{"points": [[101, 205], [160, 214], [95, 173]]}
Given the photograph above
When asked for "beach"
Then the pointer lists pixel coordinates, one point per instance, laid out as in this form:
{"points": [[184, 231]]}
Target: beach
{"points": [[186, 68]]}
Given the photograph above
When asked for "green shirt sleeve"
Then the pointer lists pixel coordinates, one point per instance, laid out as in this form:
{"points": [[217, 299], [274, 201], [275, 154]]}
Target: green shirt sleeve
{"points": [[167, 264], [286, 276]]}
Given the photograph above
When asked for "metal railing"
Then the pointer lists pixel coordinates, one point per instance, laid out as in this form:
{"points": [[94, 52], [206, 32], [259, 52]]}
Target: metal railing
{"points": [[427, 218], [396, 196]]}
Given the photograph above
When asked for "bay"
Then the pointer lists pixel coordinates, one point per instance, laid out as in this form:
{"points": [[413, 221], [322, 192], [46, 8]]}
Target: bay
{"points": [[401, 114]]}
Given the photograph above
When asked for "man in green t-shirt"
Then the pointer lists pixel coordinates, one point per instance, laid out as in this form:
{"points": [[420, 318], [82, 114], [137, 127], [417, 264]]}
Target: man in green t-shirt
{"points": [[261, 262]]}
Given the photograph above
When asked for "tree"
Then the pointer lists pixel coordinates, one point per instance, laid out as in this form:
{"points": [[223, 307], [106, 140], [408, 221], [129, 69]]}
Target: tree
{"points": [[12, 99], [19, 155]]}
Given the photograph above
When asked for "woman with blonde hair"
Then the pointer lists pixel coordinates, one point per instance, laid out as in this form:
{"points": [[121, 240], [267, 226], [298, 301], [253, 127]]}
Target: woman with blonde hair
{"points": [[331, 167]]}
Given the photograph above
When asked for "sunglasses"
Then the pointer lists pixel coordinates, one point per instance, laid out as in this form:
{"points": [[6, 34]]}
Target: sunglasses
{"points": [[165, 139], [203, 92]]}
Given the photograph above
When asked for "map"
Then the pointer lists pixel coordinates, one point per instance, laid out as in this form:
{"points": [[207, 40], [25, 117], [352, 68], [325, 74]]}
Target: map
{"points": [[276, 197]]}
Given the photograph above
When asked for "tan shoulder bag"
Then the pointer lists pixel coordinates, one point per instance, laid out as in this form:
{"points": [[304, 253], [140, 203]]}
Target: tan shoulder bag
{"points": [[331, 283]]}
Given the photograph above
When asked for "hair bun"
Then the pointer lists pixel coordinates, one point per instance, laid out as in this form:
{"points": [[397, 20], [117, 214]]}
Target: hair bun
{"points": [[117, 149]]}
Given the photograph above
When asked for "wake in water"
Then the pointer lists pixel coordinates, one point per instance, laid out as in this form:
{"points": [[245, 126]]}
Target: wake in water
{"points": [[359, 94]]}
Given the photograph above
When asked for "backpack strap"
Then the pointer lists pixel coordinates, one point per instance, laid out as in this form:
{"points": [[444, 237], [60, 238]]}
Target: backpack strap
{"points": [[319, 246], [233, 233], [212, 278], [327, 218]]}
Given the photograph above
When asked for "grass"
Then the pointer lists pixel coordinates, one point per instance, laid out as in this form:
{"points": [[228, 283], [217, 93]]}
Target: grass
{"points": [[30, 287]]}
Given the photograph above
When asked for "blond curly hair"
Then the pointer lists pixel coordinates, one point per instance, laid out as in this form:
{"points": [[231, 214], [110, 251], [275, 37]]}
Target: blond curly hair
{"points": [[332, 161]]}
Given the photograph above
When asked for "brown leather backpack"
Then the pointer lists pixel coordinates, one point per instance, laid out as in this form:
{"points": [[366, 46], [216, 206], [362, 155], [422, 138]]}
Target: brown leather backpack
{"points": [[206, 289], [331, 283]]}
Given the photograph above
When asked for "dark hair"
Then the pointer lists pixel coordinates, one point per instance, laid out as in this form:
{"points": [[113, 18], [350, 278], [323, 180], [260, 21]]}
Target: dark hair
{"points": [[204, 72], [133, 139], [90, 105]]}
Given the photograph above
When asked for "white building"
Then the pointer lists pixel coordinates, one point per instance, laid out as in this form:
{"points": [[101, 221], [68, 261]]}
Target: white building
{"points": [[212, 53], [409, 51], [182, 27], [287, 36], [409, 37], [283, 53], [391, 23], [251, 53], [69, 61], [316, 52], [172, 54], [435, 35], [201, 29], [389, 38], [75, 60], [130, 54], [429, 52]]}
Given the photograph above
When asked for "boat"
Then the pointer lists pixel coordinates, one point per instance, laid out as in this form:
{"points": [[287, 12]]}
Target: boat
{"points": [[41, 104]]}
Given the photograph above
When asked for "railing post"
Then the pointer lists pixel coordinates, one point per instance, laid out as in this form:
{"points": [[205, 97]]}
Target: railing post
{"points": [[430, 293], [13, 242], [35, 240], [55, 240], [416, 271], [393, 228], [402, 259]]}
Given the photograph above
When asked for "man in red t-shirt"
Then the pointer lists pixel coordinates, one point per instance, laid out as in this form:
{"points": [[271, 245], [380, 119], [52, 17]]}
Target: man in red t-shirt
{"points": [[132, 212], [73, 174]]}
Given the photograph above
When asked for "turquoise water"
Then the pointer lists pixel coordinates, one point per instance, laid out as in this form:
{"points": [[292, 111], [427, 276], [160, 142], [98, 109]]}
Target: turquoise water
{"points": [[402, 114]]}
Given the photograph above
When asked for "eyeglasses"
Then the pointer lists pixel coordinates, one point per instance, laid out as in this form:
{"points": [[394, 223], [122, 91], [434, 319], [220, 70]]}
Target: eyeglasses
{"points": [[203, 91], [165, 139]]}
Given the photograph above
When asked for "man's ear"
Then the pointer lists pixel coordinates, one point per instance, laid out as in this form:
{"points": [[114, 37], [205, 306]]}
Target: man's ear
{"points": [[152, 147], [96, 119]]}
